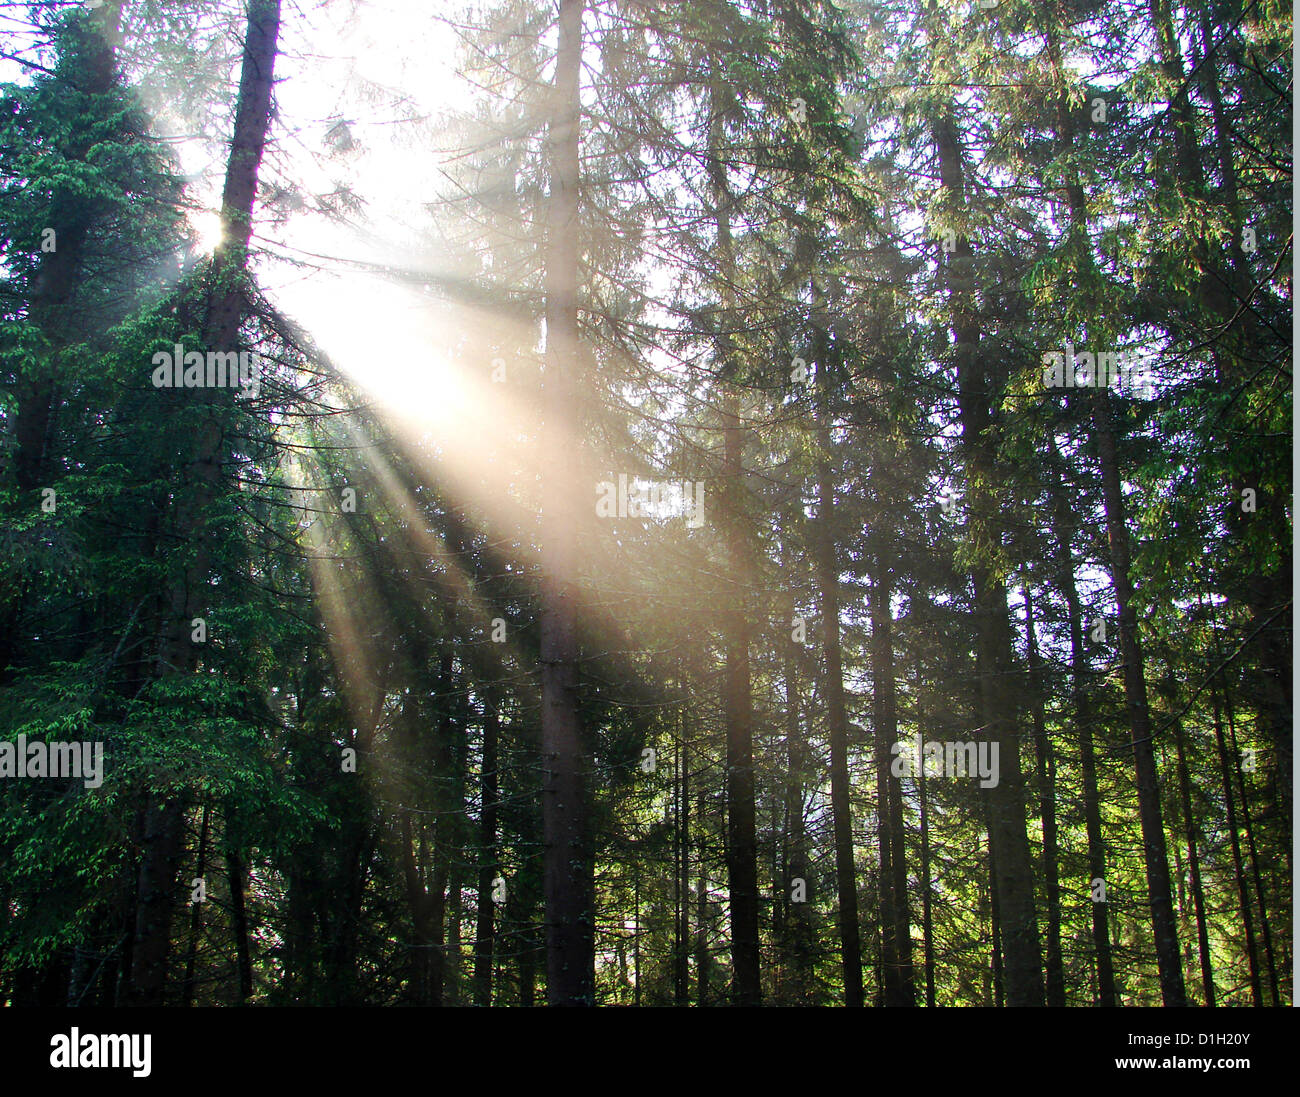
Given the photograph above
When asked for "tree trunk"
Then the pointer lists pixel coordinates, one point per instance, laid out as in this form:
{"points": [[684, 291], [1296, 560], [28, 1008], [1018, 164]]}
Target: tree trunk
{"points": [[1047, 809], [1249, 828], [1163, 924], [237, 874], [1021, 950], [742, 847], [1083, 718], [900, 987], [196, 912], [483, 938], [702, 957], [1243, 896], [567, 860], [927, 921], [682, 885], [837, 721], [799, 930], [1193, 855], [225, 304]]}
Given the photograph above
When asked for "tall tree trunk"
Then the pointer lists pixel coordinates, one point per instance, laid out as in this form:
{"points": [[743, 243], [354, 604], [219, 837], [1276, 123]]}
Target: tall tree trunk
{"points": [[1193, 855], [1021, 950], [682, 867], [196, 912], [1249, 829], [237, 875], [702, 957], [424, 915], [527, 974], [927, 920], [567, 879], [900, 987], [162, 840], [837, 721], [225, 304], [1080, 700], [483, 938], [799, 930], [452, 952], [1163, 924], [742, 845], [1047, 810], [1243, 896], [996, 963]]}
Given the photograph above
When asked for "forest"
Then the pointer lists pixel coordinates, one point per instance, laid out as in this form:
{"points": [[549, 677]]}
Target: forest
{"points": [[641, 503]]}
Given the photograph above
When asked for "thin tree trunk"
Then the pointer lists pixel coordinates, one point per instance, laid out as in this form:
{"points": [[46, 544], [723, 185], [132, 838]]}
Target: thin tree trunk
{"points": [[927, 921], [900, 987], [568, 884], [1193, 857], [837, 721], [682, 884], [237, 874], [1229, 713], [799, 929], [742, 846], [196, 911], [1249, 828], [418, 899], [483, 939], [1243, 896], [1018, 923], [995, 922], [1164, 923], [702, 958], [1083, 718], [527, 973], [1047, 810], [1164, 926]]}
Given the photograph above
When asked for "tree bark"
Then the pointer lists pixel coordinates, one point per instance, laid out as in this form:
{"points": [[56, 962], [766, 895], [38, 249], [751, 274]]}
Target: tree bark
{"points": [[483, 939], [237, 875], [742, 847], [1243, 895], [896, 952], [1047, 810], [1164, 927], [1021, 950], [568, 884], [1081, 703], [196, 911], [1193, 855], [837, 722], [927, 920]]}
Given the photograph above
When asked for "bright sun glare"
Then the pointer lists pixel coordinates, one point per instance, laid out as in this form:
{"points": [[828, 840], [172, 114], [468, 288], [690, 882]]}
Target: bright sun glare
{"points": [[206, 227]]}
